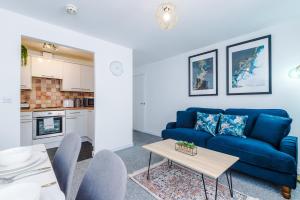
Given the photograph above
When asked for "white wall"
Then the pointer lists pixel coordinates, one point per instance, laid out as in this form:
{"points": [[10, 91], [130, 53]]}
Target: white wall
{"points": [[113, 95], [166, 86]]}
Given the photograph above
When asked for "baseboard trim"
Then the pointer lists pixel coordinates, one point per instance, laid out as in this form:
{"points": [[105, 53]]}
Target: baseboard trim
{"points": [[122, 147], [150, 133]]}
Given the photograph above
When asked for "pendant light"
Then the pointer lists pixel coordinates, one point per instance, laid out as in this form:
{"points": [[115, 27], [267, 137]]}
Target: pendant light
{"points": [[166, 16]]}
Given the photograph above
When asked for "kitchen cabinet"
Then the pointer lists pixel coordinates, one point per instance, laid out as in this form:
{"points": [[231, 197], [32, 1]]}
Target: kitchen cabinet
{"points": [[71, 77], [26, 81], [91, 125], [26, 128], [87, 78], [78, 78], [81, 122], [76, 122], [46, 68]]}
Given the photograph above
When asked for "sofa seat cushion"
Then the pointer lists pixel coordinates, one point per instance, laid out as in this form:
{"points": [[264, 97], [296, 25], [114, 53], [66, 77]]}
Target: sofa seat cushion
{"points": [[199, 138], [254, 152]]}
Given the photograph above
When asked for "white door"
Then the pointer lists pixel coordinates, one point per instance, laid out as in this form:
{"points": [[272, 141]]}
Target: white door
{"points": [[138, 102]]}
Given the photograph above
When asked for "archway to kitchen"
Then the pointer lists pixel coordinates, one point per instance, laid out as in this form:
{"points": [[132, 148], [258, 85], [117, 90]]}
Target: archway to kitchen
{"points": [[57, 95]]}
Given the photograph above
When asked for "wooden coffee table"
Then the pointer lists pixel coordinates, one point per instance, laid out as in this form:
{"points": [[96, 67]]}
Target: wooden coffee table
{"points": [[208, 162]]}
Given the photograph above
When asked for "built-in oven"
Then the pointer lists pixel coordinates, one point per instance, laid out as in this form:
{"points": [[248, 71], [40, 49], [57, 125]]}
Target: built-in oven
{"points": [[48, 124]]}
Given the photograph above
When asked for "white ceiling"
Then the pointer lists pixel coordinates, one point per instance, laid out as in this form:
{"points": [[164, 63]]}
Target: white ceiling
{"points": [[132, 22]]}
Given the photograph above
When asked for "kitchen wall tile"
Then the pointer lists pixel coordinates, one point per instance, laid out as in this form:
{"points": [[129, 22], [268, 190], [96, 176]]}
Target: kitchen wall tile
{"points": [[46, 93]]}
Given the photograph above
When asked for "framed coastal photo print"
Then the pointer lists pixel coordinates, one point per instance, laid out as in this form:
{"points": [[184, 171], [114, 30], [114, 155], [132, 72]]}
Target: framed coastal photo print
{"points": [[203, 74], [249, 67]]}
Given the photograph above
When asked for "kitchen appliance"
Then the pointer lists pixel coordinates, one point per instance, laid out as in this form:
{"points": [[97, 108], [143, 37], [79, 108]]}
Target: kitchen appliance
{"points": [[77, 102], [88, 102], [48, 124], [68, 103], [25, 105]]}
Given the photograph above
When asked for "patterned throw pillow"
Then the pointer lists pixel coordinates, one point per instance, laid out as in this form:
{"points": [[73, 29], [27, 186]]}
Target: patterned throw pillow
{"points": [[207, 122], [232, 125]]}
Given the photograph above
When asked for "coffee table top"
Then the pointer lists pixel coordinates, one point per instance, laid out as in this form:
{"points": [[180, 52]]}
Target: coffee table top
{"points": [[208, 162]]}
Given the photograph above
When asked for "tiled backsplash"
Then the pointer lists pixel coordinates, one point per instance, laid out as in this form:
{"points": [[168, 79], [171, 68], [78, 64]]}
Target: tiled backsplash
{"points": [[46, 93]]}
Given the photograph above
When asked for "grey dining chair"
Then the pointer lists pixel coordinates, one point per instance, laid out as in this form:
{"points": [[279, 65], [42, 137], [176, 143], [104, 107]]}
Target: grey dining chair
{"points": [[105, 179], [64, 162]]}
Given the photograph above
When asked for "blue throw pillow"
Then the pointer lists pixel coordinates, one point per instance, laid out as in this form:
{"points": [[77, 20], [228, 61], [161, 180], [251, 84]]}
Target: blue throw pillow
{"points": [[185, 119], [271, 129], [232, 125], [207, 122]]}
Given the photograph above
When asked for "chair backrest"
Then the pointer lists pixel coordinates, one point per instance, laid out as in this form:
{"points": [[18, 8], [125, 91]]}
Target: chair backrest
{"points": [[105, 179], [64, 162]]}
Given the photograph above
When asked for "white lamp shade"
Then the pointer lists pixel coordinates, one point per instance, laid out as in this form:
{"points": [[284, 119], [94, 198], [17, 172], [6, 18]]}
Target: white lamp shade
{"points": [[166, 16]]}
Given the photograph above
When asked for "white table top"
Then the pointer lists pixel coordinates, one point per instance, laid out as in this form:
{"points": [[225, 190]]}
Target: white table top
{"points": [[52, 192]]}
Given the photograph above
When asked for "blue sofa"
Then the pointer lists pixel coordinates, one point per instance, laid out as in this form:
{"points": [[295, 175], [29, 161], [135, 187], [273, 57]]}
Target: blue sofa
{"points": [[257, 158]]}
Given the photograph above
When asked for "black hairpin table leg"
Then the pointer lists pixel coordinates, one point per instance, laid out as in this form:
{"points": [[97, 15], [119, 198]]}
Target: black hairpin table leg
{"points": [[148, 177], [229, 181], [205, 192], [204, 187], [216, 192]]}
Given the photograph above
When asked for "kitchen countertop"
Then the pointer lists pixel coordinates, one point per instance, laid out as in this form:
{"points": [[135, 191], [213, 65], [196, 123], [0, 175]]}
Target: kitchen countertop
{"points": [[51, 109]]}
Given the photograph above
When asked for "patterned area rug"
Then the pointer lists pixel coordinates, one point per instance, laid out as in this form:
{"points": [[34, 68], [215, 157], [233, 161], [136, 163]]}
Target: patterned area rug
{"points": [[180, 183]]}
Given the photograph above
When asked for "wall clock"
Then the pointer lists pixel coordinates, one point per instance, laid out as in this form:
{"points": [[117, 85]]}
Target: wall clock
{"points": [[116, 68]]}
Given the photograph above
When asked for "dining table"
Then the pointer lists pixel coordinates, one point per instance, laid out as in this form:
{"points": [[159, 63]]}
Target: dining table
{"points": [[50, 189]]}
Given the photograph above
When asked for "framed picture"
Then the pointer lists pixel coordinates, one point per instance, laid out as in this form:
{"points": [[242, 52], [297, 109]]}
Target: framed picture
{"points": [[249, 67], [203, 74]]}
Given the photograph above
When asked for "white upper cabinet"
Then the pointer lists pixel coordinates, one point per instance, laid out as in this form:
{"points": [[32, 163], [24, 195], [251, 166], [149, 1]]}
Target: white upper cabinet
{"points": [[87, 78], [71, 77], [46, 68], [75, 77], [26, 82]]}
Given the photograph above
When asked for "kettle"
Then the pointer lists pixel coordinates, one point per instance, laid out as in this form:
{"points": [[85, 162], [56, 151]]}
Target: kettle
{"points": [[77, 102]]}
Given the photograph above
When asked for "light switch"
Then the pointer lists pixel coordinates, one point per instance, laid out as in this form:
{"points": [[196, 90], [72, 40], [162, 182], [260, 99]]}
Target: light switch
{"points": [[5, 100]]}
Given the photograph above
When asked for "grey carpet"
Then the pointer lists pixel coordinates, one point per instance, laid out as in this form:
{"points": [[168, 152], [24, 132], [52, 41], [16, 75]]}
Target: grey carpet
{"points": [[136, 158]]}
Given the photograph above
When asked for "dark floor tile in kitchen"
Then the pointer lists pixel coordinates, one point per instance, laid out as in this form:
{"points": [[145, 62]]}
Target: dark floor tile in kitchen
{"points": [[86, 151]]}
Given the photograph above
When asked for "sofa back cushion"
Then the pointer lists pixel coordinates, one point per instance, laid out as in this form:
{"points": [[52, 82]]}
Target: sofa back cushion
{"points": [[270, 128], [253, 115], [205, 110], [185, 119]]}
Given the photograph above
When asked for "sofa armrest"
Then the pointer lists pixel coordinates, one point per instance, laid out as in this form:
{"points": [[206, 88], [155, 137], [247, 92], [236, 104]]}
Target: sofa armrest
{"points": [[289, 145], [171, 125]]}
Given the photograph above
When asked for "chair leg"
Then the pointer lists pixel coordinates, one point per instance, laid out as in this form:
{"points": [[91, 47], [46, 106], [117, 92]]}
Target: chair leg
{"points": [[286, 192]]}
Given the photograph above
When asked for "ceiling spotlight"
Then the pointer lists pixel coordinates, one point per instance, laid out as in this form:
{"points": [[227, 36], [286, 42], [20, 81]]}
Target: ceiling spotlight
{"points": [[49, 46], [166, 16], [71, 9]]}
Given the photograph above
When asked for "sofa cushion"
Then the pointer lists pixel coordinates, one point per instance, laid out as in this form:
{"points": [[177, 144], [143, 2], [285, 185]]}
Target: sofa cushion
{"points": [[270, 128], [207, 122], [253, 114], [199, 138], [185, 119], [254, 152], [232, 125]]}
